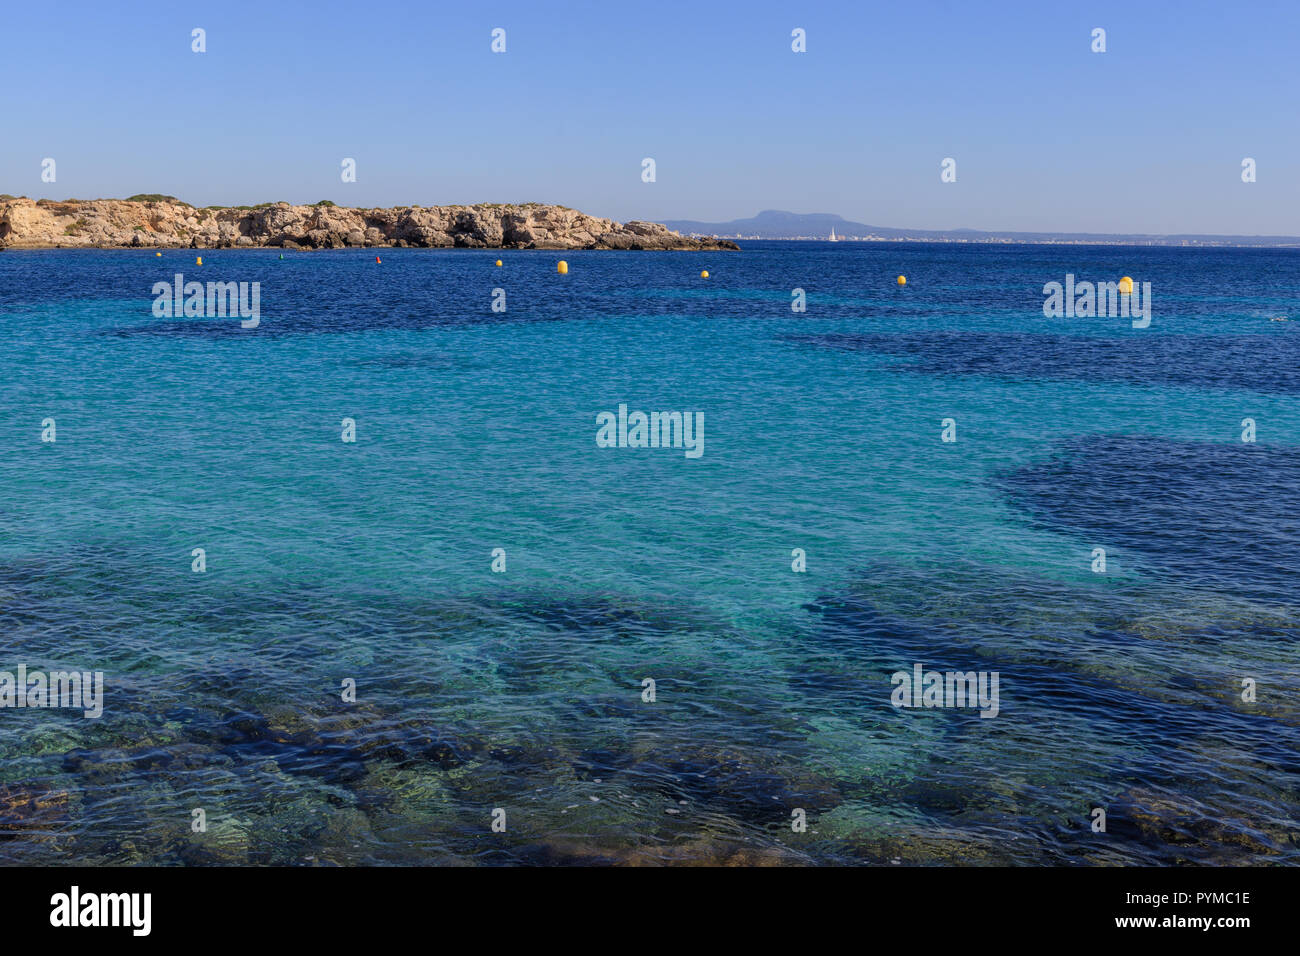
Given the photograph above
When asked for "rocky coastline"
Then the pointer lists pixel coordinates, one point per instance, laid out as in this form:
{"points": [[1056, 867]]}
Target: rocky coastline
{"points": [[167, 223]]}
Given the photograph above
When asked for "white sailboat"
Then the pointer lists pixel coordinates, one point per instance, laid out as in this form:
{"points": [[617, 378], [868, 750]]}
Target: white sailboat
{"points": [[832, 238]]}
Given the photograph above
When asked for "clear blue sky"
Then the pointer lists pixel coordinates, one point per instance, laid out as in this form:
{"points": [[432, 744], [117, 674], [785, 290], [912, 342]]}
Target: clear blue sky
{"points": [[1147, 137]]}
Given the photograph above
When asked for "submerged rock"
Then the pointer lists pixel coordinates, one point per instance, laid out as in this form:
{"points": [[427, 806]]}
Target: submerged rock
{"points": [[1205, 828], [32, 811]]}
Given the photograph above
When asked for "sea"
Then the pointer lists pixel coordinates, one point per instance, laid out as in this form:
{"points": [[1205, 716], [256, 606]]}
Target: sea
{"points": [[364, 586]]}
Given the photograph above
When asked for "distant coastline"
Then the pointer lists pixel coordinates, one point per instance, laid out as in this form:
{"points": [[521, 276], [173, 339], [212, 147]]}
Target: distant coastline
{"points": [[1117, 240], [164, 222], [775, 224]]}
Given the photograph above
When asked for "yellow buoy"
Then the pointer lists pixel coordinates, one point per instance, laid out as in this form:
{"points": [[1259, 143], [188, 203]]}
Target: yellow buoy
{"points": [[562, 267], [704, 274], [158, 254], [498, 262], [198, 261], [902, 280], [1126, 286]]}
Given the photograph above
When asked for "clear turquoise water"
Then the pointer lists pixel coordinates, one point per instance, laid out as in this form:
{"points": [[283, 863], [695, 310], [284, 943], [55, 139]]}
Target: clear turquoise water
{"points": [[522, 690]]}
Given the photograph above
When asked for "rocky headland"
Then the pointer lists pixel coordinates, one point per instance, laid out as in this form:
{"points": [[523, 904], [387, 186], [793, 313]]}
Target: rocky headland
{"points": [[163, 222]]}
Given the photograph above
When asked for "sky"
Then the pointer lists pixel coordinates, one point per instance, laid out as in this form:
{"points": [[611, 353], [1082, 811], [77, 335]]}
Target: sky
{"points": [[1147, 137]]}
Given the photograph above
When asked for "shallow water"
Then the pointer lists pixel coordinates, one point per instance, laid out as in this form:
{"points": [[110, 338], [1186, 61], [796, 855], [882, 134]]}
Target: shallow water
{"points": [[522, 690]]}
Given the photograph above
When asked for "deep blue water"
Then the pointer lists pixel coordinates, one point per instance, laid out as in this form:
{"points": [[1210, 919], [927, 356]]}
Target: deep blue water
{"points": [[371, 561]]}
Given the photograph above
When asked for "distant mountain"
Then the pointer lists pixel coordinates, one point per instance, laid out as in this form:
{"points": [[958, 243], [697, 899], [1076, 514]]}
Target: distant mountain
{"points": [[776, 224]]}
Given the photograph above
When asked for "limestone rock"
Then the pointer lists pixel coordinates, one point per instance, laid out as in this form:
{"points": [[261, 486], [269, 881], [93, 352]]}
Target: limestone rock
{"points": [[120, 223]]}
